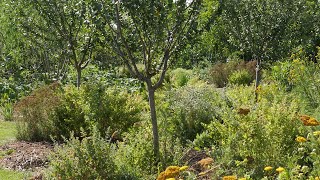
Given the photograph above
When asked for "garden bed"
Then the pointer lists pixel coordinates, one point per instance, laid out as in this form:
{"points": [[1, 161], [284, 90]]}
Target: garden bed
{"points": [[25, 156]]}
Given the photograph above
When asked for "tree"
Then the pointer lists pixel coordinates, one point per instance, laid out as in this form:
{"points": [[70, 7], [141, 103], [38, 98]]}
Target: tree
{"points": [[151, 33], [61, 25]]}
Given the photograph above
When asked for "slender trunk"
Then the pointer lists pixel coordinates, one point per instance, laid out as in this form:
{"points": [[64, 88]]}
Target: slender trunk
{"points": [[78, 77], [153, 120]]}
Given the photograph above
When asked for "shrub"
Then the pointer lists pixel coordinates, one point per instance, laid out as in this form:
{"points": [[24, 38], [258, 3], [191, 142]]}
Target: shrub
{"points": [[240, 77], [69, 115], [11, 90], [111, 107], [6, 108], [265, 136], [56, 112], [191, 107], [90, 158], [135, 155], [33, 113], [220, 73], [300, 76], [180, 77]]}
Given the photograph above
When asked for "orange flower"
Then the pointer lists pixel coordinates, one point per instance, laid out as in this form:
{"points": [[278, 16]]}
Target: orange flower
{"points": [[309, 121], [205, 162]]}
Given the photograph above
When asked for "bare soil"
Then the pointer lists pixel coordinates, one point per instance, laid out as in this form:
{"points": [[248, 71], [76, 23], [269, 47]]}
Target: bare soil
{"points": [[25, 156]]}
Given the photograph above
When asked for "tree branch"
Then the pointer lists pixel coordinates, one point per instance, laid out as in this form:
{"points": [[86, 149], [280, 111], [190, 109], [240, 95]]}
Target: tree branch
{"points": [[132, 59]]}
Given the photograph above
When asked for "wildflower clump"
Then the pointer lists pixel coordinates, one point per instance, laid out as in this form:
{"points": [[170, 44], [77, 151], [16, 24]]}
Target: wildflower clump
{"points": [[309, 121], [301, 139], [171, 172], [280, 169], [268, 168]]}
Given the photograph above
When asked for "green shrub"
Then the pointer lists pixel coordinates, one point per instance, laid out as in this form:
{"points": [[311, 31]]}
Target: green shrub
{"points": [[135, 156], [111, 107], [6, 109], [55, 112], [190, 108], [69, 115], [245, 143], [90, 158], [11, 90], [240, 77], [180, 77], [300, 76], [33, 114]]}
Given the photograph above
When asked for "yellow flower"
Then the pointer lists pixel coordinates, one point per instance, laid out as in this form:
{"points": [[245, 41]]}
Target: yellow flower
{"points": [[170, 172], [171, 179], [243, 179], [317, 178], [301, 139], [268, 168], [183, 168], [312, 122], [259, 89], [316, 133], [280, 169], [229, 178]]}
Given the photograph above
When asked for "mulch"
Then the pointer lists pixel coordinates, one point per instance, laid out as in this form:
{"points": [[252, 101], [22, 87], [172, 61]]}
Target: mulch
{"points": [[26, 156]]}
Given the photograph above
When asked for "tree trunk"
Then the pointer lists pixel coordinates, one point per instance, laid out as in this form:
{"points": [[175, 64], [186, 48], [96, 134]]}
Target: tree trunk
{"points": [[78, 77], [153, 120]]}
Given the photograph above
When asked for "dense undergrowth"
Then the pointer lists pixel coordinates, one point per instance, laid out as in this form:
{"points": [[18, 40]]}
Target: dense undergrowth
{"points": [[264, 133]]}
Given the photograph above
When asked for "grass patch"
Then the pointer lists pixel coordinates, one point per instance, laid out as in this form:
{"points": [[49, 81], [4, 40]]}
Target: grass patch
{"points": [[7, 131], [13, 175], [7, 134]]}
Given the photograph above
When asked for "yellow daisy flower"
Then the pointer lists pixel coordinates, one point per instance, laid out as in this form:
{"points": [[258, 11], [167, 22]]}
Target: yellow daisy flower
{"points": [[301, 139], [268, 168], [229, 178], [280, 169], [316, 133]]}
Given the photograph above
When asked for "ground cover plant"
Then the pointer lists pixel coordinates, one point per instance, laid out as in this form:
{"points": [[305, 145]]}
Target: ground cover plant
{"points": [[6, 174]]}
